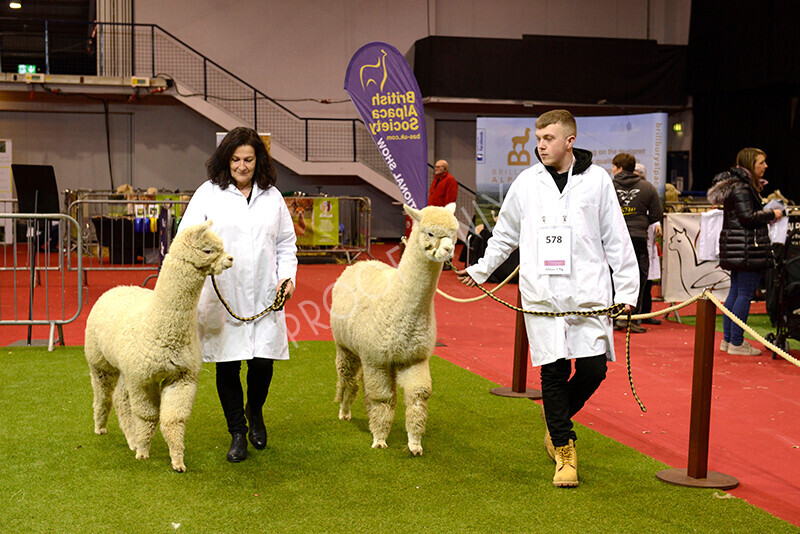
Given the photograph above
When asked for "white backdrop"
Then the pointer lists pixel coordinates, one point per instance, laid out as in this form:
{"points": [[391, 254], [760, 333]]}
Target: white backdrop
{"points": [[504, 147]]}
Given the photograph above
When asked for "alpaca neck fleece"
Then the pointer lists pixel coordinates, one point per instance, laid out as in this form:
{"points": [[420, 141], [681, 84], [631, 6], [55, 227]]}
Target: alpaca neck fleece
{"points": [[173, 313], [418, 276]]}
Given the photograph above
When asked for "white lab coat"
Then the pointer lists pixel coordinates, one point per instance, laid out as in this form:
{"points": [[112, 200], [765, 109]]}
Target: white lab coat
{"points": [[599, 239], [260, 237]]}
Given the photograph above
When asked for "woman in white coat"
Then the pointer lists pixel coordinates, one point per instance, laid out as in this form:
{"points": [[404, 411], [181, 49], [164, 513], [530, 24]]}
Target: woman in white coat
{"points": [[251, 217], [564, 216]]}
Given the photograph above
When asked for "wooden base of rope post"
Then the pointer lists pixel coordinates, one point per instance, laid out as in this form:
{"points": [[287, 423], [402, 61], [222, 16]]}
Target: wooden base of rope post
{"points": [[697, 474], [519, 377]]}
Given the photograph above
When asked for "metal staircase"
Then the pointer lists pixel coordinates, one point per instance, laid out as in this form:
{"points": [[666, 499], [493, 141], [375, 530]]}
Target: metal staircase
{"points": [[332, 147], [116, 52]]}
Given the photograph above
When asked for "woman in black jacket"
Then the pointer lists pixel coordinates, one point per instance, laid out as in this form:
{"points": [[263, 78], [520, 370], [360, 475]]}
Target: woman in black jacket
{"points": [[744, 246]]}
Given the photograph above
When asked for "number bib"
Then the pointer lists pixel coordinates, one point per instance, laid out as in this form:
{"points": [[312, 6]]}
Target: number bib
{"points": [[555, 250]]}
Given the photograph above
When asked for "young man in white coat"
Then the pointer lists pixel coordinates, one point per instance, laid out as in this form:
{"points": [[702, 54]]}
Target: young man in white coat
{"points": [[564, 216]]}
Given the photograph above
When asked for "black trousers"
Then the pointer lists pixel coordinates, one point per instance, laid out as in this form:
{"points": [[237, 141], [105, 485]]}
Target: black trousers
{"points": [[563, 396], [229, 389], [643, 259]]}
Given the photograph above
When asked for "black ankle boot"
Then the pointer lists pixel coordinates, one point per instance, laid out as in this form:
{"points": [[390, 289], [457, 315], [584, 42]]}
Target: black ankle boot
{"points": [[238, 450], [258, 431]]}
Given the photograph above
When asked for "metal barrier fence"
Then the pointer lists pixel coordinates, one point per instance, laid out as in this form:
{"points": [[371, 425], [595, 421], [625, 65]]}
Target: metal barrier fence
{"points": [[123, 231], [39, 252], [132, 232], [354, 227], [149, 51]]}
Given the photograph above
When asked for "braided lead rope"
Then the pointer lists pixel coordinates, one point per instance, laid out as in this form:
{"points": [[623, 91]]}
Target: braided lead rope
{"points": [[611, 311], [628, 363], [278, 303], [749, 330]]}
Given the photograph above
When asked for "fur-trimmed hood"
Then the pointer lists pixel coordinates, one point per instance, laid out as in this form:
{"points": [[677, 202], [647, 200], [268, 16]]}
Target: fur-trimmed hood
{"points": [[725, 183]]}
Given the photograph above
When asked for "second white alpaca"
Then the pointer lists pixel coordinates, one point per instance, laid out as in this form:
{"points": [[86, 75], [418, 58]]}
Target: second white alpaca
{"points": [[143, 349], [384, 327]]}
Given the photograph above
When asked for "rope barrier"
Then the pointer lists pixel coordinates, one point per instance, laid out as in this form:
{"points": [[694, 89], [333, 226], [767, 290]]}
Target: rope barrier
{"points": [[616, 311], [277, 304], [476, 299], [749, 330]]}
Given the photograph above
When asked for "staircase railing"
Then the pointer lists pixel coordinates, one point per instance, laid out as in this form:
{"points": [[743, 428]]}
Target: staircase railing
{"points": [[147, 50]]}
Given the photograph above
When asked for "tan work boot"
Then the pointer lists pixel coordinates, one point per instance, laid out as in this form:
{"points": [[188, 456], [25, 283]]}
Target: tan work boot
{"points": [[548, 443], [566, 466]]}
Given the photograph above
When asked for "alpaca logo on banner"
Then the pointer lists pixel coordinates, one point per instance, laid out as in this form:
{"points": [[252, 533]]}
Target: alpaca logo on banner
{"points": [[521, 156], [377, 68], [385, 93]]}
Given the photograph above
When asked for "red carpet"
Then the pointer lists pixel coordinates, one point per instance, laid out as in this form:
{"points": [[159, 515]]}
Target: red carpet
{"points": [[754, 432]]}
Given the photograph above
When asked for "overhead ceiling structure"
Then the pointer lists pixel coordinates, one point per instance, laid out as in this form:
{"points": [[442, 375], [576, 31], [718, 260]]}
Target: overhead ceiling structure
{"points": [[76, 10]]}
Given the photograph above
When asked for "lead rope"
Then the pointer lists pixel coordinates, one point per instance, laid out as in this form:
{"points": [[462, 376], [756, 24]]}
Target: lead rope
{"points": [[277, 304], [612, 311]]}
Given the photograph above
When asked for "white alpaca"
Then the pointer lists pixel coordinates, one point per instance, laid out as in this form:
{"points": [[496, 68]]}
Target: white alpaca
{"points": [[143, 349], [384, 327]]}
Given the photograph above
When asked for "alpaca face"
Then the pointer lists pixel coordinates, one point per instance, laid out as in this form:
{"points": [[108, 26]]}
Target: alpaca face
{"points": [[203, 249], [211, 255], [437, 243], [437, 231]]}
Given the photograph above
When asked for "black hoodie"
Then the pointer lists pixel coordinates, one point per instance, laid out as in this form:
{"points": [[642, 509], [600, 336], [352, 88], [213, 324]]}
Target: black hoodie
{"points": [[583, 160], [639, 202]]}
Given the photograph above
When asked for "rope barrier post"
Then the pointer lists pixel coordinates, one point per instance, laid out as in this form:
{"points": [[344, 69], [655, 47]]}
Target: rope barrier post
{"points": [[519, 376], [697, 474]]}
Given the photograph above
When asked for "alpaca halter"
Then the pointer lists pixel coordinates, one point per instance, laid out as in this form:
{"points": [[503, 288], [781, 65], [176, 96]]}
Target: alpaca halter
{"points": [[612, 311], [278, 303]]}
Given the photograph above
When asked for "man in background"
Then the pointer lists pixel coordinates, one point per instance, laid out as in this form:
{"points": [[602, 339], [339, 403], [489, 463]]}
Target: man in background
{"points": [[641, 207], [444, 188]]}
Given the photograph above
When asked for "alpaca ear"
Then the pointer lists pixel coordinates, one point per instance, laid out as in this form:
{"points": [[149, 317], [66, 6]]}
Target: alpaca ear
{"points": [[451, 207], [194, 233], [202, 229], [413, 213]]}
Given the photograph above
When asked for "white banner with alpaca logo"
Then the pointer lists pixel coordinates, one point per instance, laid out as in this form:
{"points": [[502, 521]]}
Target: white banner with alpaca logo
{"points": [[504, 147], [684, 274]]}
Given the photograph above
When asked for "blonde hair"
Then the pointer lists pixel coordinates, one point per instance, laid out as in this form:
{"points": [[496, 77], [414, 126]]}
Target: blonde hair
{"points": [[558, 116], [746, 159]]}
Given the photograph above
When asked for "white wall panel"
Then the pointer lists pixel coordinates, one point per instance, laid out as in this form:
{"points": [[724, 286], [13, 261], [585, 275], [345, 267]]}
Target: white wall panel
{"points": [[300, 50]]}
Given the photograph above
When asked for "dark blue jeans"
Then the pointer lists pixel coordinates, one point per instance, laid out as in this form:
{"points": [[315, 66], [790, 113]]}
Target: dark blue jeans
{"points": [[743, 287]]}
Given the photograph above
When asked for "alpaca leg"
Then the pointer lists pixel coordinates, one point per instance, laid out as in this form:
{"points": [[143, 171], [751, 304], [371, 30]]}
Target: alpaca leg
{"points": [[417, 389], [177, 399], [348, 366], [144, 401], [103, 384], [380, 398], [122, 405]]}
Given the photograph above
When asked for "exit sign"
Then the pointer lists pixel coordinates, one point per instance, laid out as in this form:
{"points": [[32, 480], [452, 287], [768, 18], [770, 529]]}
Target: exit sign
{"points": [[26, 69]]}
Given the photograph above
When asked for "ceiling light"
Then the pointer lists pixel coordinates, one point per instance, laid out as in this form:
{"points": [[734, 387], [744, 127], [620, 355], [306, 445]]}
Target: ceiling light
{"points": [[15, 5]]}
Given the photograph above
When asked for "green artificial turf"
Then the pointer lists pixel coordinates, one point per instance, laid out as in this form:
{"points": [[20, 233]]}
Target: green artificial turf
{"points": [[484, 467]]}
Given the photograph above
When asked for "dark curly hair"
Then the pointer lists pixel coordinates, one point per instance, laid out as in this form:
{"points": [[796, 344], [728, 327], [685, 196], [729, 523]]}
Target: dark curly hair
{"points": [[218, 165]]}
